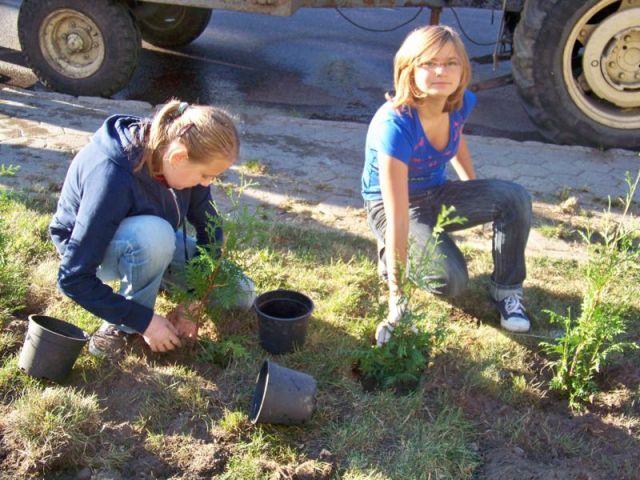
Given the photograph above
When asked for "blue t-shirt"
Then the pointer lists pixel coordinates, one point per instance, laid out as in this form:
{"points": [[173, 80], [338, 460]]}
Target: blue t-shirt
{"points": [[399, 133]]}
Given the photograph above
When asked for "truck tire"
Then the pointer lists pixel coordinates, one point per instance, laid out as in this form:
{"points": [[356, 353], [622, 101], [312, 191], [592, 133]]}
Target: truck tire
{"points": [[80, 47], [171, 25], [577, 67]]}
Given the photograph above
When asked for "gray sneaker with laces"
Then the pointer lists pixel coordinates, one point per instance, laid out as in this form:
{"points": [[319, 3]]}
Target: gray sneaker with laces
{"points": [[109, 342], [512, 314]]}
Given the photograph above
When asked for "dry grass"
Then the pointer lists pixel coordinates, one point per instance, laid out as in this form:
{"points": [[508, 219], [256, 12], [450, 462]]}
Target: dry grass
{"points": [[53, 427]]}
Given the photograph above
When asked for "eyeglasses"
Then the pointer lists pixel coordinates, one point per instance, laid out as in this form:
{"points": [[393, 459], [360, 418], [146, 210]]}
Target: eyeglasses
{"points": [[432, 66]]}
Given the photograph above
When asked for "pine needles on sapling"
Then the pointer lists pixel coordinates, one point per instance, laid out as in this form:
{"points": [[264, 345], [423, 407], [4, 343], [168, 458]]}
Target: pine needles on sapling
{"points": [[611, 275], [213, 278], [399, 363]]}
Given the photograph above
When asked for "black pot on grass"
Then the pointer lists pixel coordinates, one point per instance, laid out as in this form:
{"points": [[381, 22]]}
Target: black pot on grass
{"points": [[283, 316], [51, 347], [283, 396]]}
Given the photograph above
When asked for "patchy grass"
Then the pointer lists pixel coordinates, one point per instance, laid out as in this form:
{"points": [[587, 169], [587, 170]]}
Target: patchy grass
{"points": [[558, 230], [12, 380], [53, 427], [170, 390], [482, 409]]}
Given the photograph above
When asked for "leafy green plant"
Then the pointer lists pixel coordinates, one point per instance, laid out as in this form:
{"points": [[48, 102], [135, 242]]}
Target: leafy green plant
{"points": [[401, 360], [8, 170], [588, 341], [254, 166], [221, 353], [214, 276]]}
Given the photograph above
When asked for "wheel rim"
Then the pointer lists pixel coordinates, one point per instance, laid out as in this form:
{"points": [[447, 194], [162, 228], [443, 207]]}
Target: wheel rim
{"points": [[167, 18], [601, 63], [71, 43]]}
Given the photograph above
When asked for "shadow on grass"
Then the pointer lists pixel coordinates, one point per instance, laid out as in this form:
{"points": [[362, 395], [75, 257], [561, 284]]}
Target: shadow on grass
{"points": [[180, 394], [472, 407], [526, 429]]}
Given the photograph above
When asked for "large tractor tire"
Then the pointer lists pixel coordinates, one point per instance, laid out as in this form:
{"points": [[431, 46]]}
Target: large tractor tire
{"points": [[171, 25], [577, 67], [80, 47]]}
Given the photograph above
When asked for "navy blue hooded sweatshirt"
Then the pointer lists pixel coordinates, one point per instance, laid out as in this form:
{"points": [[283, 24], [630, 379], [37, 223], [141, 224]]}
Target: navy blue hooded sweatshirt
{"points": [[100, 190]]}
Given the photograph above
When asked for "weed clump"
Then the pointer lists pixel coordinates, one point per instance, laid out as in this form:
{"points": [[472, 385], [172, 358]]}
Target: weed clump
{"points": [[399, 363], [13, 287], [611, 275], [53, 427], [221, 353]]}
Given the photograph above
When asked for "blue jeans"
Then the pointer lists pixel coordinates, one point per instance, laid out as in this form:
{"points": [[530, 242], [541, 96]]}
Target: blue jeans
{"points": [[505, 204], [144, 253]]}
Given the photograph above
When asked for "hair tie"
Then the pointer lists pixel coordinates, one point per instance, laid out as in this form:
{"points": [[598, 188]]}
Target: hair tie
{"points": [[182, 107]]}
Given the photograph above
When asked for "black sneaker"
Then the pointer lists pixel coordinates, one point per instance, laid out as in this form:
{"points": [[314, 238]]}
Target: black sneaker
{"points": [[512, 314], [109, 342]]}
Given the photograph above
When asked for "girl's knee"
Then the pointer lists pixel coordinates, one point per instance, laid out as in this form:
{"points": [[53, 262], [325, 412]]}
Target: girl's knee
{"points": [[455, 281], [151, 236], [515, 198], [522, 197]]}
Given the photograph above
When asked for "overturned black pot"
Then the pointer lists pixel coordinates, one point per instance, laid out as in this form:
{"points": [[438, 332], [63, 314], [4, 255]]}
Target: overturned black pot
{"points": [[283, 396], [283, 316], [51, 347]]}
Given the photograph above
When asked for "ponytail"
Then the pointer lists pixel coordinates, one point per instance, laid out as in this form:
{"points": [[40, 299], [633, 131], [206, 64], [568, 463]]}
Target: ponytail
{"points": [[206, 132]]}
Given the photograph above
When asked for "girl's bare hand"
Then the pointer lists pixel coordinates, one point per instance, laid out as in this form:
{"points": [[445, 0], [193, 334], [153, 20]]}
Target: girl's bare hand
{"points": [[180, 318], [161, 335]]}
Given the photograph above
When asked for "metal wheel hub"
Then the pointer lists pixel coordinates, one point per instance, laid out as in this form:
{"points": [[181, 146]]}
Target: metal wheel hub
{"points": [[71, 43], [623, 61], [611, 60], [601, 63]]}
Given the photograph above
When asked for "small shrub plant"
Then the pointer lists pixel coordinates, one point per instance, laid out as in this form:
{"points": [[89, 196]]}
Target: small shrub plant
{"points": [[213, 278], [399, 363], [611, 276]]}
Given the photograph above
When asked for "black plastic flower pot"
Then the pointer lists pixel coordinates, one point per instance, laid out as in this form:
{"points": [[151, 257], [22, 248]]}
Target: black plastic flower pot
{"points": [[283, 316], [51, 347], [283, 396]]}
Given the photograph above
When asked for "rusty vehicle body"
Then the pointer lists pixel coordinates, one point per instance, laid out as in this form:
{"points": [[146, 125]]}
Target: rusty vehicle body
{"points": [[289, 7], [575, 63]]}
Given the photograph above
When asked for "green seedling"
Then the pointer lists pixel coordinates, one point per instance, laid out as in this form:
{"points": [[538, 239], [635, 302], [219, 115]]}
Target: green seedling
{"points": [[400, 362], [221, 353], [8, 170], [611, 274], [214, 276], [254, 166]]}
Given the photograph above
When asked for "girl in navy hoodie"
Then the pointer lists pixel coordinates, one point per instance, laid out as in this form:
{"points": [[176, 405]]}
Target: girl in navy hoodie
{"points": [[123, 200]]}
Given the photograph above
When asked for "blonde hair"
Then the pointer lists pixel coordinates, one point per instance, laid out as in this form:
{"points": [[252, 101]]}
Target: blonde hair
{"points": [[206, 132], [420, 45]]}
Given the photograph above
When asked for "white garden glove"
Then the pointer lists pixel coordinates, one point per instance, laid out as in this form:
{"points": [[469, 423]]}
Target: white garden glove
{"points": [[397, 309]]}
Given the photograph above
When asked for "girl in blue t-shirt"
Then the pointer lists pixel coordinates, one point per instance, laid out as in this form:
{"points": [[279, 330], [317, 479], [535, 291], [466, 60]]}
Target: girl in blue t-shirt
{"points": [[410, 140]]}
